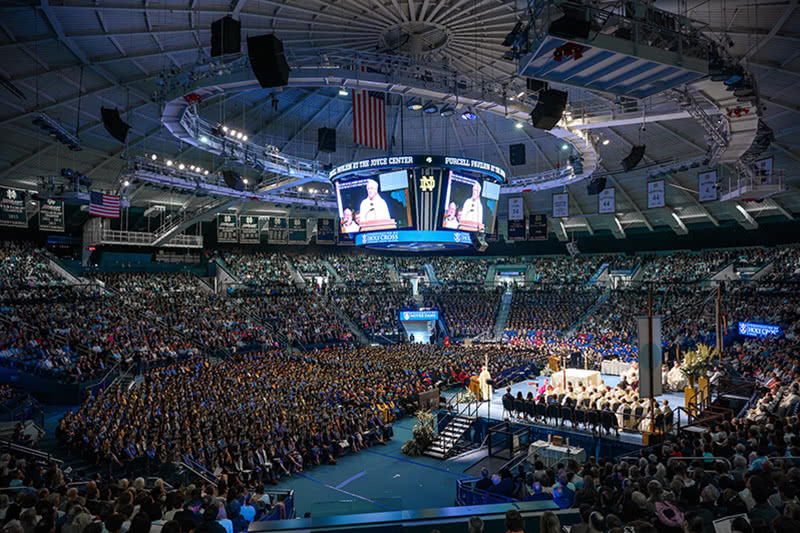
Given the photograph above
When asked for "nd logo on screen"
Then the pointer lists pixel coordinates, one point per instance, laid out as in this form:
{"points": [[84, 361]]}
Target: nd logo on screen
{"points": [[427, 183], [406, 316]]}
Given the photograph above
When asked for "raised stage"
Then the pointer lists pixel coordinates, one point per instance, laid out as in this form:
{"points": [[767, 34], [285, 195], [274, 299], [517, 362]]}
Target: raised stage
{"points": [[494, 409]]}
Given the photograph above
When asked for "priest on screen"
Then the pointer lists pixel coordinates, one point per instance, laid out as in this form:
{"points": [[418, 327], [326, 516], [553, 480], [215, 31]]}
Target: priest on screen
{"points": [[373, 207], [486, 388], [472, 212]]}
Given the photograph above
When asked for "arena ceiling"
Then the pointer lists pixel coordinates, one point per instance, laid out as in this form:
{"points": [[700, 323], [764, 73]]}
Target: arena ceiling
{"points": [[68, 58]]}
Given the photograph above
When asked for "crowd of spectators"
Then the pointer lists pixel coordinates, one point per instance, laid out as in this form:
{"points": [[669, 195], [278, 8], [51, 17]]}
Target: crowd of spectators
{"points": [[684, 267], [468, 312], [546, 311], [22, 264], [374, 310], [259, 269], [461, 270], [363, 269]]}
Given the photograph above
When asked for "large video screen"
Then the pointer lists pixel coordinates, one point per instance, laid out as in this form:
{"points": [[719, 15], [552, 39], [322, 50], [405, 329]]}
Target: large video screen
{"points": [[374, 203], [470, 204]]}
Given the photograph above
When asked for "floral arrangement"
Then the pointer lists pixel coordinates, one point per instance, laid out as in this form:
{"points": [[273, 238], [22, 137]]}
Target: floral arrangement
{"points": [[546, 372], [466, 396], [697, 363], [422, 434]]}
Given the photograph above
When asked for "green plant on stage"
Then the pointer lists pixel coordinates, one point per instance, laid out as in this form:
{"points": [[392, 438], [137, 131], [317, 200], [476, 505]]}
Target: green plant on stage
{"points": [[697, 363]]}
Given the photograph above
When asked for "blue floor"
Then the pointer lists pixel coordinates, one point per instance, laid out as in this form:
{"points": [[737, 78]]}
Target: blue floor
{"points": [[380, 478]]}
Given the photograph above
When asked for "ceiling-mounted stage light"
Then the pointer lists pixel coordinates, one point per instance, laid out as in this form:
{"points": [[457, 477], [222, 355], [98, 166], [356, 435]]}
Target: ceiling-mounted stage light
{"points": [[447, 111], [244, 137], [232, 133], [468, 115], [606, 142], [126, 183], [225, 129], [519, 125], [154, 157], [169, 162], [414, 104], [181, 166], [564, 147], [205, 172], [430, 107], [344, 92], [203, 139]]}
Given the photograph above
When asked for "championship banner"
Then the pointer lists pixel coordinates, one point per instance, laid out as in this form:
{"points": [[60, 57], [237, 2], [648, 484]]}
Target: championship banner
{"points": [[278, 230], [707, 185], [226, 229], [326, 234], [249, 231], [606, 202], [763, 167], [515, 209], [297, 231], [656, 196], [537, 227], [12, 208], [561, 205], [516, 230], [51, 215]]}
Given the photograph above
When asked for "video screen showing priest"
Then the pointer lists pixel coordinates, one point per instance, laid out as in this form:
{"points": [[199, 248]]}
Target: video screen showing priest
{"points": [[470, 204], [374, 203]]}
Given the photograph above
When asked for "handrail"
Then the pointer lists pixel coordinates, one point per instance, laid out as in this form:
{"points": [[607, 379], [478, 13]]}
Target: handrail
{"points": [[704, 459], [12, 446], [197, 473]]}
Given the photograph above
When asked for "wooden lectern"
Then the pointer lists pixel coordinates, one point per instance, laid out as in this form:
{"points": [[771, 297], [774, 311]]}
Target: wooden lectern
{"points": [[554, 363], [475, 386]]}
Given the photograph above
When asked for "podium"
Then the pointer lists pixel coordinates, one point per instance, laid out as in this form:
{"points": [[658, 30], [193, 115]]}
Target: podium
{"points": [[475, 386], [554, 363]]}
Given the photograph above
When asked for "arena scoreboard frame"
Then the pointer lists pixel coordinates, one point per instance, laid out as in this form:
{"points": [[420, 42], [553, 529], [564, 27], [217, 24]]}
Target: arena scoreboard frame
{"points": [[417, 202]]}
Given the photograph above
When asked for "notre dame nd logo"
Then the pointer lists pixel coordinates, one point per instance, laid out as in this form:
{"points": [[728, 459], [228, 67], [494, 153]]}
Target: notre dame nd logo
{"points": [[11, 194], [427, 183]]}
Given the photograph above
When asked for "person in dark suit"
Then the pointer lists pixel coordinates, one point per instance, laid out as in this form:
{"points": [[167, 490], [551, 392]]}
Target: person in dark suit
{"points": [[484, 483]]}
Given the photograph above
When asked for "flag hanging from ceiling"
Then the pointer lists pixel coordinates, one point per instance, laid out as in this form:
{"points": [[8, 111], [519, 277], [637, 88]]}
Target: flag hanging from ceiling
{"points": [[369, 119], [103, 205]]}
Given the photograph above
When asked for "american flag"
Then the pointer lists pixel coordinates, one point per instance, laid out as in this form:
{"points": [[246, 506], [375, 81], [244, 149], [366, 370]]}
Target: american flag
{"points": [[369, 119], [103, 205]]}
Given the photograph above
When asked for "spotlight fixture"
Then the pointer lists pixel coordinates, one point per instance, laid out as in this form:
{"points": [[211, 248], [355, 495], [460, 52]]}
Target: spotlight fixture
{"points": [[126, 183], [300, 189], [244, 181], [232, 133], [225, 129], [414, 104], [430, 107], [205, 172], [203, 139], [239, 135], [519, 125], [564, 147], [344, 92], [521, 94], [447, 111], [181, 166], [468, 115], [191, 167], [169, 162], [606, 142], [154, 157], [244, 137]]}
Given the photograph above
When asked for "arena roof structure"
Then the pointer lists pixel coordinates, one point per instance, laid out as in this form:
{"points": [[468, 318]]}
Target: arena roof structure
{"points": [[68, 59]]}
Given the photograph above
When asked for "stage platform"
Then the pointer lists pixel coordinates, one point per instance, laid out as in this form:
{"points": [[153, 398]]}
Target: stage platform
{"points": [[494, 409]]}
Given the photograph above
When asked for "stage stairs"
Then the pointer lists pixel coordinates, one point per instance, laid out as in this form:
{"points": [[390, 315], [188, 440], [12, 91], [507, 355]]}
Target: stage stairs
{"points": [[502, 313], [452, 430], [729, 399]]}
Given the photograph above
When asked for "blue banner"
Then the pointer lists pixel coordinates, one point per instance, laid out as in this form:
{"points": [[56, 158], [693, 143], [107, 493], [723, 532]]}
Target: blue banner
{"points": [[749, 329], [406, 316]]}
